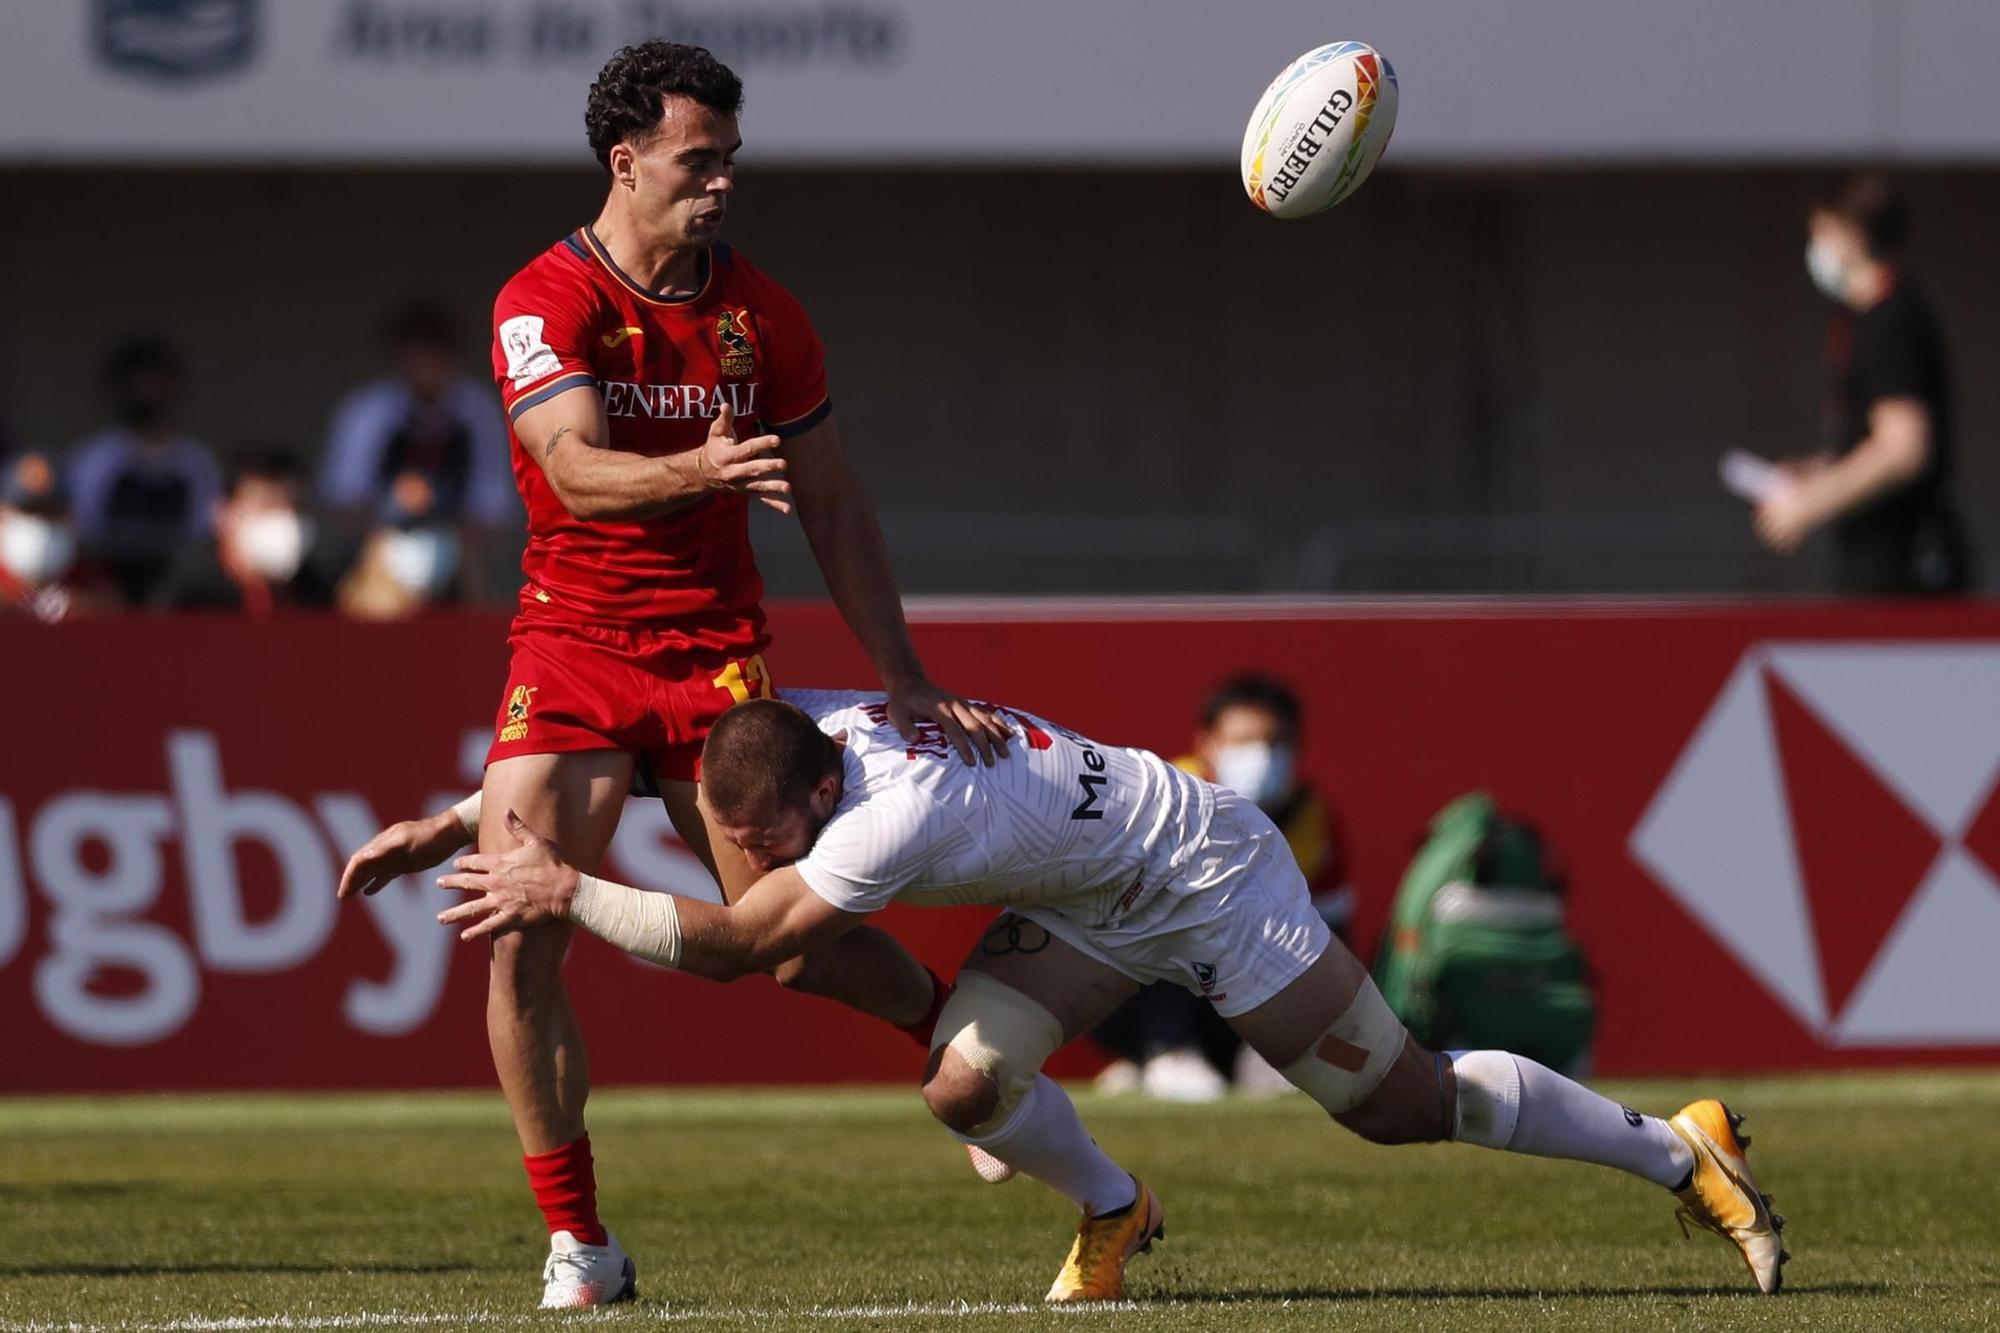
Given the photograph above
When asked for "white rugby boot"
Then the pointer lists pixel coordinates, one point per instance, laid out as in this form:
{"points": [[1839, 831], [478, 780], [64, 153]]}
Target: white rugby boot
{"points": [[579, 1275]]}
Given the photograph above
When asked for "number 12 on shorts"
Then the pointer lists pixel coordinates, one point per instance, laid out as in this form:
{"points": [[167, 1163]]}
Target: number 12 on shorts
{"points": [[745, 680]]}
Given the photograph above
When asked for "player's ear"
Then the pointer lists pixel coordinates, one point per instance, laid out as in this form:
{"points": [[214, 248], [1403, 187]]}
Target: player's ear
{"points": [[624, 165], [825, 797]]}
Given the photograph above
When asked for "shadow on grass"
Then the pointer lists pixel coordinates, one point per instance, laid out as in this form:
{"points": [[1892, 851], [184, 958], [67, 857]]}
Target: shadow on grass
{"points": [[1239, 1297], [199, 1269]]}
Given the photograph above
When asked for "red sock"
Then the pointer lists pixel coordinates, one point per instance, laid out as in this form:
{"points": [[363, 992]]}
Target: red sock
{"points": [[921, 1030], [565, 1188]]}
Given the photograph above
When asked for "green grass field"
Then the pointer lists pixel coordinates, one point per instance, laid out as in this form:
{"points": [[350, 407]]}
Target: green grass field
{"points": [[849, 1209]]}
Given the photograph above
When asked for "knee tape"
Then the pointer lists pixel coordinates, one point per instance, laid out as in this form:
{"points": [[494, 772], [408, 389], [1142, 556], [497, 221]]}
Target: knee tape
{"points": [[1001, 1033], [1354, 1056], [1489, 1097]]}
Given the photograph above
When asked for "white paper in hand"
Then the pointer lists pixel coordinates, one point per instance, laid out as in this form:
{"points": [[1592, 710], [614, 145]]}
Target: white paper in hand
{"points": [[1748, 477]]}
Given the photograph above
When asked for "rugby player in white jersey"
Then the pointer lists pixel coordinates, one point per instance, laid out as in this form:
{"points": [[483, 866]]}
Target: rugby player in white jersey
{"points": [[1117, 869]]}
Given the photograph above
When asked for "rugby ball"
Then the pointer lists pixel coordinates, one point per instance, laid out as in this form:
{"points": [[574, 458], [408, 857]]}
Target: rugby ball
{"points": [[1319, 129]]}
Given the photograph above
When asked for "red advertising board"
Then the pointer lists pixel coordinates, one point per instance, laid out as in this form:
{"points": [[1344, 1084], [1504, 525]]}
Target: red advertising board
{"points": [[1779, 825]]}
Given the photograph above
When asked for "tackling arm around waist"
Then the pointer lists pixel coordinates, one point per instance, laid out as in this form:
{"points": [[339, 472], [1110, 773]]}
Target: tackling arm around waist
{"points": [[778, 919]]}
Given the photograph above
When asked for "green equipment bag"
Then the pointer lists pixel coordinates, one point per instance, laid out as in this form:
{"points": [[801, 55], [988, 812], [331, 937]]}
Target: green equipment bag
{"points": [[1476, 955]]}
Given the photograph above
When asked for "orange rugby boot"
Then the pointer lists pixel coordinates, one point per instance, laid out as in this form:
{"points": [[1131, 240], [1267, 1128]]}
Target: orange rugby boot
{"points": [[1723, 1197], [1095, 1269]]}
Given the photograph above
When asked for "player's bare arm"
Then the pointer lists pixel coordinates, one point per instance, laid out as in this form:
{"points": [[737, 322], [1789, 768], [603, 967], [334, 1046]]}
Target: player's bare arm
{"points": [[409, 847], [846, 540], [778, 919], [566, 435]]}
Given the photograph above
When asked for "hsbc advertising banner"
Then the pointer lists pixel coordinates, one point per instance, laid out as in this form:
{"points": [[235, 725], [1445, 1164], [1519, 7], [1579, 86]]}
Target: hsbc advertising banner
{"points": [[1780, 826], [1109, 82]]}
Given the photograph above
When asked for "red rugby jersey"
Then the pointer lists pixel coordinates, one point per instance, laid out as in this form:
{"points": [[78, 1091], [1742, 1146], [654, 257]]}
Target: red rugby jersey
{"points": [[664, 367]]}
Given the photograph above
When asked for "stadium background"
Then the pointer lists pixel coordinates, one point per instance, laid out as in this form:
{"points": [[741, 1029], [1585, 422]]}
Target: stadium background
{"points": [[1070, 361]]}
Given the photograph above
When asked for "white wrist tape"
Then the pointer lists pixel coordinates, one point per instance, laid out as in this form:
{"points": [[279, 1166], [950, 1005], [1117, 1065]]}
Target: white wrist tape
{"points": [[467, 811], [646, 925]]}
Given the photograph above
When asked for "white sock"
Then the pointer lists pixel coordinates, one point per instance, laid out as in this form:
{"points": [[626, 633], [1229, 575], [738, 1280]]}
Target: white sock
{"points": [[1511, 1103], [1044, 1139]]}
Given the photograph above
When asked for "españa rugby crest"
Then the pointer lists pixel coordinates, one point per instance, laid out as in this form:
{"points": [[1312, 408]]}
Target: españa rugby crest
{"points": [[519, 703], [732, 337]]}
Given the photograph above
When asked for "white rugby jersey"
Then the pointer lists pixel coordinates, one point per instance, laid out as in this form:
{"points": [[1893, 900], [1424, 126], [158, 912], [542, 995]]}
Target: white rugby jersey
{"points": [[1062, 822]]}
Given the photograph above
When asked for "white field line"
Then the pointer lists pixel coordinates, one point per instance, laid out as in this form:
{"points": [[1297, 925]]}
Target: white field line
{"points": [[397, 1319]]}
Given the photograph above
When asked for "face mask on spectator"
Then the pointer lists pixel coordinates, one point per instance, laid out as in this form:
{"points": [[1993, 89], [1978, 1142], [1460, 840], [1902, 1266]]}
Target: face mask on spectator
{"points": [[422, 561], [1827, 272], [36, 550], [1256, 771], [272, 542]]}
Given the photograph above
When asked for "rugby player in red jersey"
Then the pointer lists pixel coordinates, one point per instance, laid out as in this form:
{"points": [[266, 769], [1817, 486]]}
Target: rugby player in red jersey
{"points": [[657, 383]]}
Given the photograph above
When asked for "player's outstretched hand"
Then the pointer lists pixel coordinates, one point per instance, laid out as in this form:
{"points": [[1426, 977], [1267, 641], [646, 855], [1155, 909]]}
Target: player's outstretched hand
{"points": [[524, 887], [751, 467], [401, 849], [977, 732]]}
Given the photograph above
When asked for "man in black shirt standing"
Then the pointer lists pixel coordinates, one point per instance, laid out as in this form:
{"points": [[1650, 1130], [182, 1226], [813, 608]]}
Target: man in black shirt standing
{"points": [[1885, 481]]}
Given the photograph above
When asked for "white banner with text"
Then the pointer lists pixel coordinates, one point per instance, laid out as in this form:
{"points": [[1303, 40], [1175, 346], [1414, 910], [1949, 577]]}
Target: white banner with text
{"points": [[1097, 82]]}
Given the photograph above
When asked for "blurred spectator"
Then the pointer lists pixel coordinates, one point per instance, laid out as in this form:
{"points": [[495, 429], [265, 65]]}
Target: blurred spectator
{"points": [[141, 488], [1172, 1044], [429, 419], [412, 560], [1884, 481], [39, 573], [1249, 743], [264, 554]]}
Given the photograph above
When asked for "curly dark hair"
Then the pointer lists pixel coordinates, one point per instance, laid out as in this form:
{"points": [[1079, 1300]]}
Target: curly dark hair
{"points": [[625, 102]]}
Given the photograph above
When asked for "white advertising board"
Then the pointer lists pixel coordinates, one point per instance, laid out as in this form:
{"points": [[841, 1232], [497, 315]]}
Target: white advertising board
{"points": [[970, 81]]}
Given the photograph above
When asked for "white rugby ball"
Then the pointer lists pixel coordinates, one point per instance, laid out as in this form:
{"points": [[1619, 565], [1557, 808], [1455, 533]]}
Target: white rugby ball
{"points": [[1319, 129]]}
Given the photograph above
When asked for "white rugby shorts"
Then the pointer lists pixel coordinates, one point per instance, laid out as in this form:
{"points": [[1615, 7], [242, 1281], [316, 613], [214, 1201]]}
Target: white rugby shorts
{"points": [[1236, 925]]}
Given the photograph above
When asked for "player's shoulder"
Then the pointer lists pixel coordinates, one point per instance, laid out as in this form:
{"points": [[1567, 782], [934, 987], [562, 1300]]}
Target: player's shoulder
{"points": [[835, 710], [880, 757], [861, 715], [562, 273]]}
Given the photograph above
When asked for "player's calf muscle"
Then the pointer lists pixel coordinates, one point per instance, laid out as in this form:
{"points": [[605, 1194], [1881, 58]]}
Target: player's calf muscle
{"points": [[865, 969], [1411, 1105], [526, 966]]}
